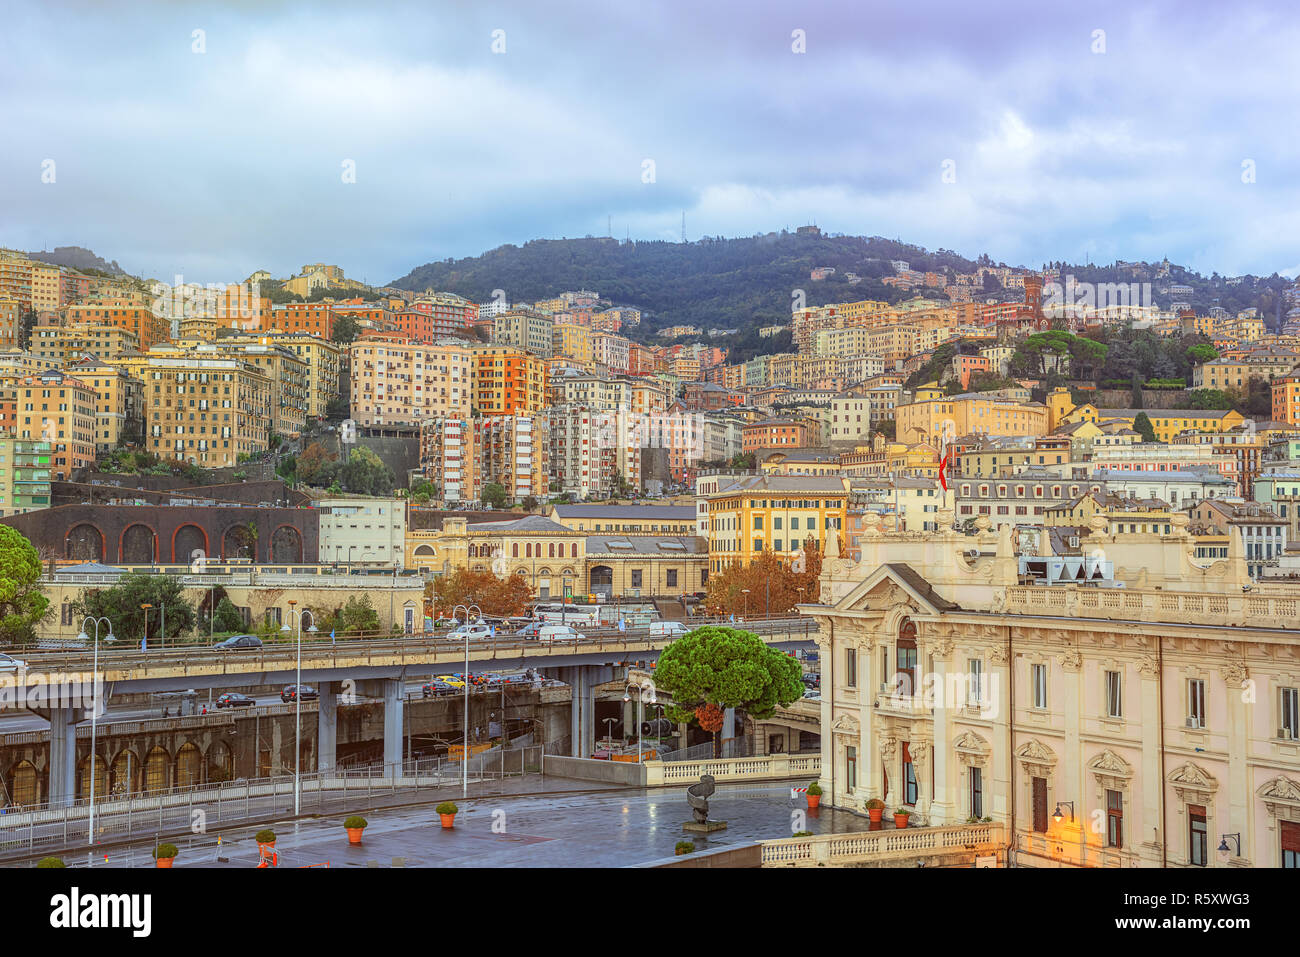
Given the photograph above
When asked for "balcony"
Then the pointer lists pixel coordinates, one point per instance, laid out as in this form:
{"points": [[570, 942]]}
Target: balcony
{"points": [[1128, 604], [961, 841]]}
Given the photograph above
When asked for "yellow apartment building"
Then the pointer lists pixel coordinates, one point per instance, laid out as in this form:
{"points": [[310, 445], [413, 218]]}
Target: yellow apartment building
{"points": [[119, 402], [968, 413], [773, 513], [399, 382]]}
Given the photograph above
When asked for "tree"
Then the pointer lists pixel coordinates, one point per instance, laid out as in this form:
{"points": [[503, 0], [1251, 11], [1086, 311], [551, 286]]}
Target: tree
{"points": [[121, 603], [1142, 425], [714, 667], [495, 596], [22, 606], [1202, 353], [346, 329], [357, 617], [226, 618], [888, 428], [773, 584], [312, 466], [530, 503], [422, 490], [494, 495], [366, 474]]}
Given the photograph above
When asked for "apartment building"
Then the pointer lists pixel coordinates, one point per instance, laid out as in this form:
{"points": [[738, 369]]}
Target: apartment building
{"points": [[11, 317], [512, 451], [585, 456], [362, 531], [448, 459], [55, 408], [395, 381], [611, 351], [774, 513], [24, 474], [324, 361], [119, 402], [133, 314], [525, 329], [508, 381], [968, 413], [778, 434], [204, 410], [571, 340], [1235, 373]]}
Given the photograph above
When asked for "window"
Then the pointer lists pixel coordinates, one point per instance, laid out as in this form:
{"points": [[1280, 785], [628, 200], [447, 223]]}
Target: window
{"points": [[1114, 699], [1114, 817], [1038, 682], [974, 689], [1039, 787], [1290, 727], [1195, 703], [976, 792], [905, 657], [1290, 843], [851, 760], [636, 578], [851, 667], [909, 777], [672, 578], [1197, 837]]}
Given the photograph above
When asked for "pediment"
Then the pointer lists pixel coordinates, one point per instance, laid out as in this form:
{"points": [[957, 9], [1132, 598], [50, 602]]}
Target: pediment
{"points": [[1280, 790], [894, 584], [1110, 764], [1034, 751], [971, 743], [1193, 777], [846, 724]]}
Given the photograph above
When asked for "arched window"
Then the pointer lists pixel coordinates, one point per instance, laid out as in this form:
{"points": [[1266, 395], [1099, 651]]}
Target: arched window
{"points": [[573, 550], [528, 550], [550, 550], [905, 657], [514, 550]]}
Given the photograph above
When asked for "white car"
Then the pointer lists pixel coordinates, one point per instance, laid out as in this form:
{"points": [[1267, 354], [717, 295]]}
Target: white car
{"points": [[670, 629], [477, 630], [8, 664], [559, 633]]}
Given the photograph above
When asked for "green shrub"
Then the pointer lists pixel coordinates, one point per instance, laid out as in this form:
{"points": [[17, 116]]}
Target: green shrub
{"points": [[685, 847], [903, 811], [165, 850], [875, 804], [265, 836], [51, 862], [355, 820], [815, 789], [803, 833], [447, 807]]}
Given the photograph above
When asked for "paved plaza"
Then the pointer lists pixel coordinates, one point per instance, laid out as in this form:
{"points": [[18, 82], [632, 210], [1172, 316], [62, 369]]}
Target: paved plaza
{"points": [[575, 825]]}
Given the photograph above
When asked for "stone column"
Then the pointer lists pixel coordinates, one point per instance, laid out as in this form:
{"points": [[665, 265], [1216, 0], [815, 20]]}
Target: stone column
{"points": [[393, 727], [327, 728], [1237, 817], [1071, 765], [942, 807], [826, 662], [588, 683], [1151, 840], [866, 720], [1000, 805], [573, 678]]}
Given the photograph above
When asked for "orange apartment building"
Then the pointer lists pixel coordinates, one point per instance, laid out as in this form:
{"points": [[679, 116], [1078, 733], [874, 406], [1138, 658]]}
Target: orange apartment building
{"points": [[52, 407], [131, 314], [316, 318], [508, 381], [777, 434]]}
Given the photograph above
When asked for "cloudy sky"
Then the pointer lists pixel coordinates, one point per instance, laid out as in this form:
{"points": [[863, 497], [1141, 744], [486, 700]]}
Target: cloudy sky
{"points": [[1012, 128]]}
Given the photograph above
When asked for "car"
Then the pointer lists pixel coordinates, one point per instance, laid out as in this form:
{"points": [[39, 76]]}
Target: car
{"points": [[240, 643], [812, 693], [476, 630], [559, 633], [452, 680], [437, 687], [812, 680], [530, 630], [233, 699], [670, 629], [308, 693], [10, 663]]}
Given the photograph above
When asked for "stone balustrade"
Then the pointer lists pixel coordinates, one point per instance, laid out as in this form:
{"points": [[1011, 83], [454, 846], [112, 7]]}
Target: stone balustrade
{"points": [[1197, 608], [767, 767], [871, 847]]}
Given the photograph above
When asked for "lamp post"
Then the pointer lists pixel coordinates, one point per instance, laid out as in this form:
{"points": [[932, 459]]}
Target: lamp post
{"points": [[94, 706], [464, 771], [297, 701], [144, 642]]}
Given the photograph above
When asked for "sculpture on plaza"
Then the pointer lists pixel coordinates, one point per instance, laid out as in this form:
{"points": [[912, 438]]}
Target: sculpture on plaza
{"points": [[697, 796]]}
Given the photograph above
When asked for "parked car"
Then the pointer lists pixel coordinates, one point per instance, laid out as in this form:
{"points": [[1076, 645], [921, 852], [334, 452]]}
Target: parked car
{"points": [[233, 699], [530, 630], [812, 680], [436, 687], [8, 663], [669, 629], [559, 633], [308, 693], [452, 680], [240, 643]]}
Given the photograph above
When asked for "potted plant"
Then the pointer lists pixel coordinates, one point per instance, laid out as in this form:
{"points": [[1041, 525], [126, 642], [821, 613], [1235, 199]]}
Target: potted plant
{"points": [[814, 795], [355, 825], [447, 810], [875, 810], [986, 820], [684, 847], [803, 834], [164, 854], [51, 862], [265, 837], [901, 814]]}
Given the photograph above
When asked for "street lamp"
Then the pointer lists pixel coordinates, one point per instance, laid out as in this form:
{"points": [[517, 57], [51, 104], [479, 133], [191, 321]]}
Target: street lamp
{"points": [[640, 686], [464, 771], [94, 706], [297, 700], [1057, 816], [1223, 848], [144, 642]]}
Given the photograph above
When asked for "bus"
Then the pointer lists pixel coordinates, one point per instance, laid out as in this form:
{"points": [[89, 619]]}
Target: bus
{"points": [[576, 615]]}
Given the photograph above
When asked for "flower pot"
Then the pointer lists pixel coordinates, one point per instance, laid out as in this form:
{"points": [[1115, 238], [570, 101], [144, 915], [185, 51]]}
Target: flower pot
{"points": [[163, 861], [261, 845], [900, 820], [813, 800], [448, 820], [354, 835], [875, 814]]}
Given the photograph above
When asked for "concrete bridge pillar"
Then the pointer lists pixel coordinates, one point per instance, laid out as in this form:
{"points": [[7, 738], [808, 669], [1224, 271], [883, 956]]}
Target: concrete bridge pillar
{"points": [[393, 726], [63, 756], [589, 681], [327, 730], [573, 678]]}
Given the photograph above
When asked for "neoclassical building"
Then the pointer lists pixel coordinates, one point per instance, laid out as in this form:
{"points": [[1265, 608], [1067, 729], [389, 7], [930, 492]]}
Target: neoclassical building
{"points": [[1123, 708]]}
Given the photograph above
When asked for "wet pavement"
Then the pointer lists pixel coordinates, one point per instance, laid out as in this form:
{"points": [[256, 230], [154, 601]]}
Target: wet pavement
{"points": [[589, 828]]}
